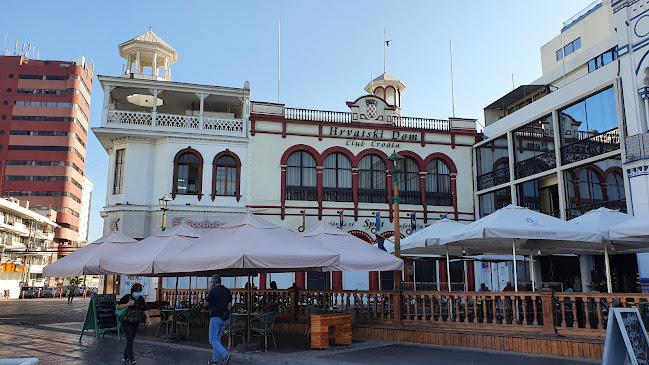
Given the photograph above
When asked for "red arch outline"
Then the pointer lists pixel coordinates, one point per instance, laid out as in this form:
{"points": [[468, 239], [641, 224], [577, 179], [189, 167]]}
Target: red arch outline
{"points": [[371, 151], [300, 147], [199, 183], [438, 155], [337, 149]]}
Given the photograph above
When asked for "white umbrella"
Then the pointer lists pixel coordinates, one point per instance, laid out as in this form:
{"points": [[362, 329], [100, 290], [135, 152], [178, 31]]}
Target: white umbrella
{"points": [[601, 220], [85, 261], [636, 227], [355, 254], [515, 228], [426, 242], [138, 260], [250, 244]]}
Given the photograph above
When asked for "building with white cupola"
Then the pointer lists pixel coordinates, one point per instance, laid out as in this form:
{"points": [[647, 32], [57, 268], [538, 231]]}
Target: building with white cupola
{"points": [[186, 141], [215, 154]]}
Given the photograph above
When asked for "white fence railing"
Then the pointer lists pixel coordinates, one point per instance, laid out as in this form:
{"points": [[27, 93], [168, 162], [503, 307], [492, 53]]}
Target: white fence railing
{"points": [[177, 121]]}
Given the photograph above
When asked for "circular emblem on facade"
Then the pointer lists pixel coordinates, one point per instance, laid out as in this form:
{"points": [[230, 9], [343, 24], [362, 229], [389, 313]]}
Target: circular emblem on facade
{"points": [[641, 28]]}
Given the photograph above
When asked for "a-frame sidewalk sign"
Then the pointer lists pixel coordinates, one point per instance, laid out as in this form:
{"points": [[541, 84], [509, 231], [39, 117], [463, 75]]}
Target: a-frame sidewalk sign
{"points": [[101, 315], [625, 336]]}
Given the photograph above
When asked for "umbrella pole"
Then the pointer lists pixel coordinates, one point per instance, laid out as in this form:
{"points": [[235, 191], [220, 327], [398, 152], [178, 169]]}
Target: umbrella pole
{"points": [[173, 324], [466, 277], [515, 274], [609, 286], [190, 292], [448, 270], [532, 270], [448, 274], [249, 307]]}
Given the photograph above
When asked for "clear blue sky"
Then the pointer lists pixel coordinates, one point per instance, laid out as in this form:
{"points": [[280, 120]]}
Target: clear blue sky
{"points": [[329, 49]]}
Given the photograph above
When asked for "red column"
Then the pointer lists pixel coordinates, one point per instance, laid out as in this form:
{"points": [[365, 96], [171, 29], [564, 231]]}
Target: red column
{"points": [[374, 280], [470, 274], [355, 188], [300, 279], [283, 192], [262, 281], [336, 280], [319, 177], [454, 191], [409, 278], [443, 277], [422, 186]]}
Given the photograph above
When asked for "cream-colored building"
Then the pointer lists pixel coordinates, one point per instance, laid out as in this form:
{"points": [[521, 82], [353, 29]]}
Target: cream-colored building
{"points": [[26, 245]]}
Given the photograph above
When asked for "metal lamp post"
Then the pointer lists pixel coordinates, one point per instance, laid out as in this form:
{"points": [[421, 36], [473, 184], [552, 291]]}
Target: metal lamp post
{"points": [[395, 171], [164, 207]]}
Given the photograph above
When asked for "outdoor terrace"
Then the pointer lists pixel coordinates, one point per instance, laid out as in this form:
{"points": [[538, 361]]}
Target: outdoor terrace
{"points": [[554, 323]]}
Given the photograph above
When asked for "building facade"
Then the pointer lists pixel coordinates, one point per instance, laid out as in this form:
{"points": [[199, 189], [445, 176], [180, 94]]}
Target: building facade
{"points": [[333, 167], [44, 108], [26, 240], [165, 138], [558, 145]]}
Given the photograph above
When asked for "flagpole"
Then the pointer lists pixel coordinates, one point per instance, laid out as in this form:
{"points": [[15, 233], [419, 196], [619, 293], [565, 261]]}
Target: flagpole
{"points": [[452, 82], [279, 35], [384, 50]]}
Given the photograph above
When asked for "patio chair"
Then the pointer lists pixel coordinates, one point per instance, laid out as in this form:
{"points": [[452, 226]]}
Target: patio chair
{"points": [[185, 318], [271, 308], [311, 310], [164, 319], [234, 326], [238, 307], [263, 326]]}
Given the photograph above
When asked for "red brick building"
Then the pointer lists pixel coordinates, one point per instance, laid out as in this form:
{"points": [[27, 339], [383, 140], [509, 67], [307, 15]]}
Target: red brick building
{"points": [[44, 109]]}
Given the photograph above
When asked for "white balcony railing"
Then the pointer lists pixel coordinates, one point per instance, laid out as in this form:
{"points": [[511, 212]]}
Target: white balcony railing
{"points": [[176, 122]]}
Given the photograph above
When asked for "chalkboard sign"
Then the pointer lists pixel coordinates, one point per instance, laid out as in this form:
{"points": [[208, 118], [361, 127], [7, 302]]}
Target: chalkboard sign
{"points": [[105, 310], [101, 316], [626, 334]]}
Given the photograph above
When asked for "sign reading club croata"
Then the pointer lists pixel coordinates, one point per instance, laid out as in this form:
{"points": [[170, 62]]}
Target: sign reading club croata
{"points": [[202, 224]]}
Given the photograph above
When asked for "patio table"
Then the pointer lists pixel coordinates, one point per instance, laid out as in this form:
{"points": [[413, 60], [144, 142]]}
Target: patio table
{"points": [[170, 311], [245, 315]]}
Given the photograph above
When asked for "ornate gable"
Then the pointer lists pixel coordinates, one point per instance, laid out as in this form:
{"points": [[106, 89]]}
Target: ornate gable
{"points": [[371, 109]]}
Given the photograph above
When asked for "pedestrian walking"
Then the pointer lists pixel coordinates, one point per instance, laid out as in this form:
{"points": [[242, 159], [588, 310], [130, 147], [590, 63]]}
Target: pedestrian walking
{"points": [[71, 291], [131, 319], [219, 301]]}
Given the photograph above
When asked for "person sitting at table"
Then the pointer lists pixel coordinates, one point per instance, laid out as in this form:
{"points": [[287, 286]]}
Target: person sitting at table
{"points": [[483, 287], [273, 285], [219, 301], [546, 288], [509, 287]]}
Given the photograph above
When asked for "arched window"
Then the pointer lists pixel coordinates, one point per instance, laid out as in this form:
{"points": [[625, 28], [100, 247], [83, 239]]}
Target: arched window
{"points": [[615, 186], [188, 173], [226, 175], [337, 179], [372, 180], [301, 177], [590, 188], [409, 188], [438, 183]]}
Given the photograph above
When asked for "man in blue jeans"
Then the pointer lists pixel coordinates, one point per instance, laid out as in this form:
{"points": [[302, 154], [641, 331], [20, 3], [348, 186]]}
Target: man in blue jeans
{"points": [[219, 300]]}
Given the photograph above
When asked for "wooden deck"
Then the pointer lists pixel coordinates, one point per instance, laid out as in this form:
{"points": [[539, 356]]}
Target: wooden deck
{"points": [[562, 324]]}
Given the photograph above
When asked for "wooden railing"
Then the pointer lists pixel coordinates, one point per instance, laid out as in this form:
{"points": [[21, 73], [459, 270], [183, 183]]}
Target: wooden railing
{"points": [[583, 314]]}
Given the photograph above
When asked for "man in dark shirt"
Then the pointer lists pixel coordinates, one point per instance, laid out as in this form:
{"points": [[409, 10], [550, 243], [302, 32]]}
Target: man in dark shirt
{"points": [[219, 300]]}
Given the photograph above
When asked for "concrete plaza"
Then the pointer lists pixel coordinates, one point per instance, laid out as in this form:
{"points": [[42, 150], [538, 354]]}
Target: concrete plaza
{"points": [[49, 330]]}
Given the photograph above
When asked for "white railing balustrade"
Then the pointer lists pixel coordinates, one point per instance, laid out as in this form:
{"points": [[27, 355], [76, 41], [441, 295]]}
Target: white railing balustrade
{"points": [[134, 118], [224, 125], [176, 121]]}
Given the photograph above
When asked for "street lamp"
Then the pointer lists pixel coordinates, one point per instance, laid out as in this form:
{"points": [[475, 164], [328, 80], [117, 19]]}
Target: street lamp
{"points": [[395, 171], [164, 207]]}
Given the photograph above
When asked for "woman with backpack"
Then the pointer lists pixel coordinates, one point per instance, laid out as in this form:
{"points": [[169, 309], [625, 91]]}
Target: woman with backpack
{"points": [[130, 320]]}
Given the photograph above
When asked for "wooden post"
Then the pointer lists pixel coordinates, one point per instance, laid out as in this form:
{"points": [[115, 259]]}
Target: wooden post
{"points": [[547, 300], [294, 299]]}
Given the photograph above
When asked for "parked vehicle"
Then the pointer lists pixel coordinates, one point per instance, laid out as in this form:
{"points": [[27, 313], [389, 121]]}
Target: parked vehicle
{"points": [[28, 292], [47, 292]]}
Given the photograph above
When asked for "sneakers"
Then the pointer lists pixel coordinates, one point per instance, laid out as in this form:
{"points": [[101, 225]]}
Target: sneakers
{"points": [[212, 362], [128, 361], [226, 359]]}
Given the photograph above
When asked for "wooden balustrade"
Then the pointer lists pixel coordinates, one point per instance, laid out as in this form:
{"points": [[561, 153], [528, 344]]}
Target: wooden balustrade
{"points": [[542, 312]]}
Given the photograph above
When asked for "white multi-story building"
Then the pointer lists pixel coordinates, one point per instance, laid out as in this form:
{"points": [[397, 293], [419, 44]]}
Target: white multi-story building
{"points": [[186, 141], [26, 245], [84, 213], [558, 145]]}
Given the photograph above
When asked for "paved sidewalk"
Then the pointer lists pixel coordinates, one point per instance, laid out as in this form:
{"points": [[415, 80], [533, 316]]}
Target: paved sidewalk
{"points": [[49, 330]]}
